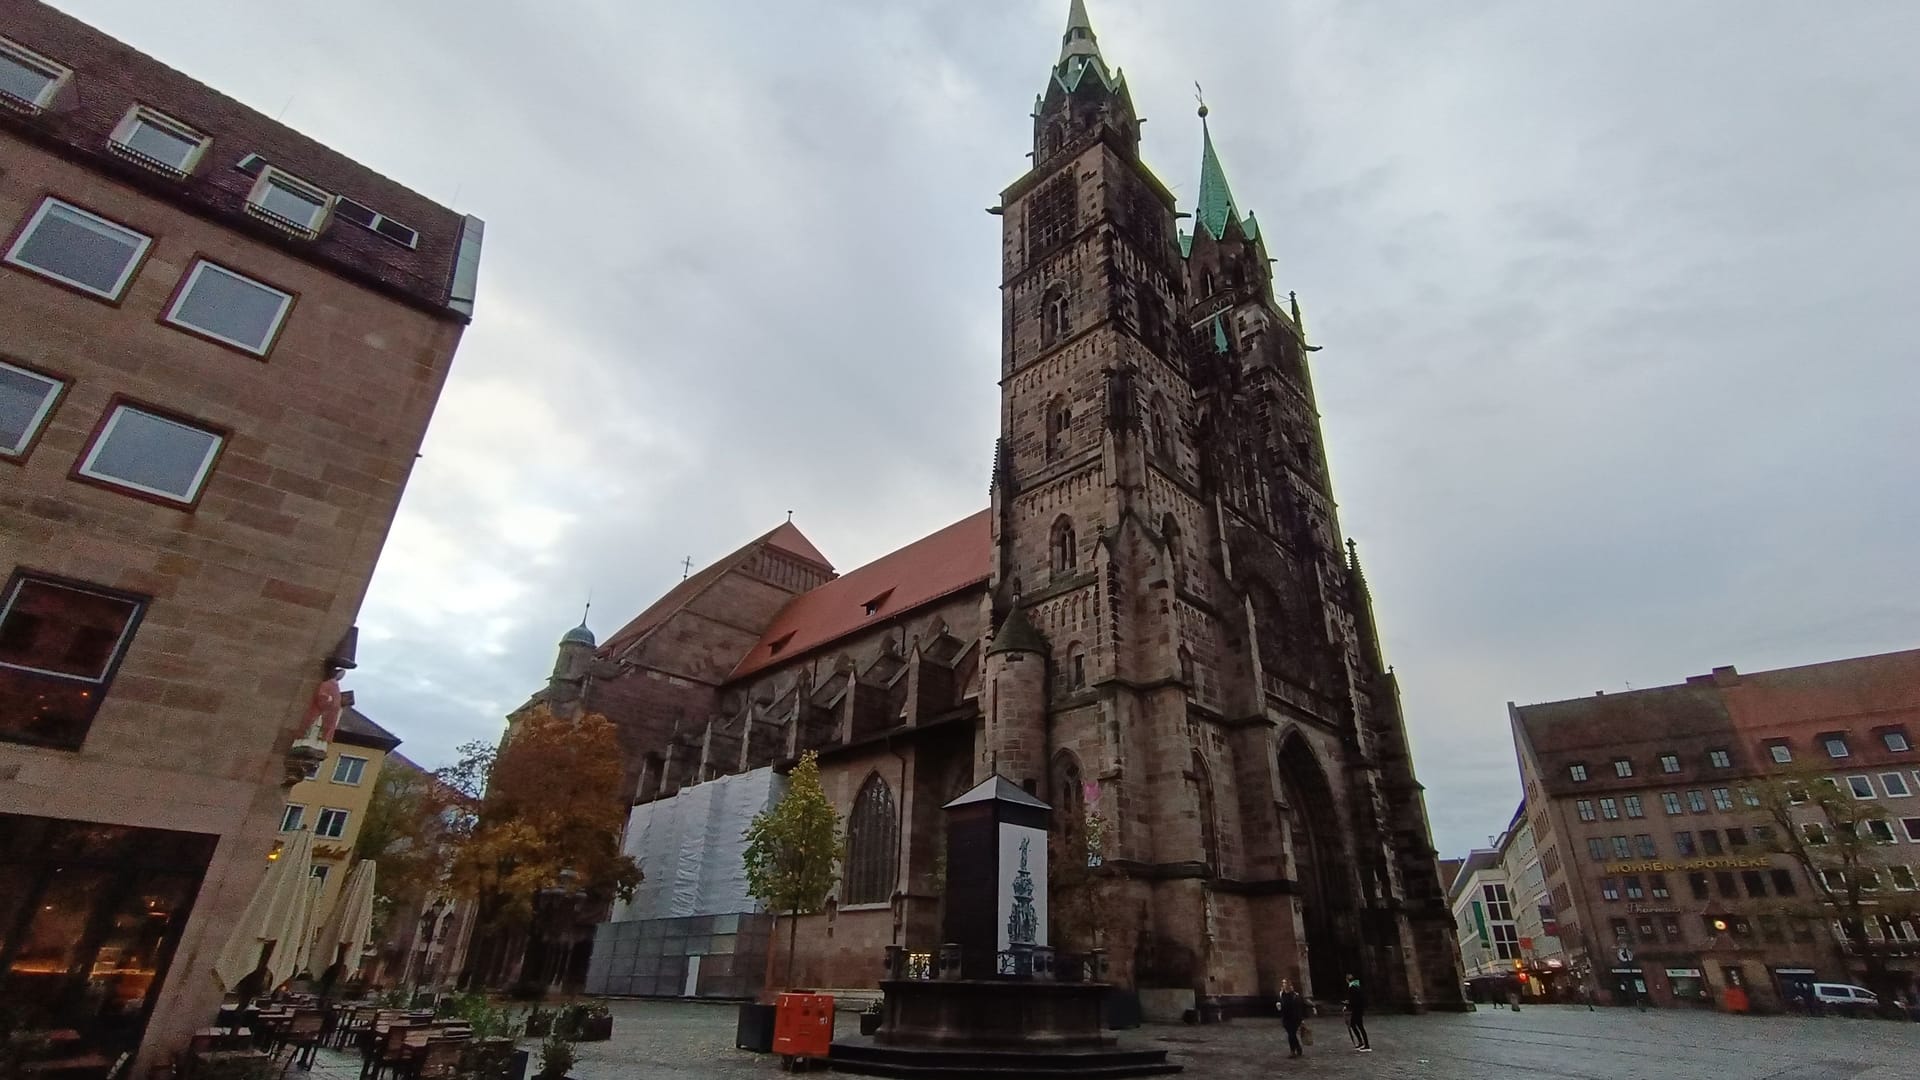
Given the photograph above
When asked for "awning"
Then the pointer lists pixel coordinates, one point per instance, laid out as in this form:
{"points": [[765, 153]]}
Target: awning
{"points": [[278, 915], [350, 925]]}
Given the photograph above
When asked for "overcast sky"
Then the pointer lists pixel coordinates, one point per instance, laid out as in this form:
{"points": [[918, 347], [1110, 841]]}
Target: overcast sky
{"points": [[1619, 379]]}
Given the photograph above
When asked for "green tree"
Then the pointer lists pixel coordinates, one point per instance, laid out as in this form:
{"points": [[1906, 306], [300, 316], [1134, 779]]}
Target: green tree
{"points": [[792, 848], [1836, 840]]}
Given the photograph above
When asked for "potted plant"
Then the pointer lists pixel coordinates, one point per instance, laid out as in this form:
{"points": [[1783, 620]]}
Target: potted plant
{"points": [[491, 1053], [556, 1057], [791, 850], [538, 1022], [590, 1021]]}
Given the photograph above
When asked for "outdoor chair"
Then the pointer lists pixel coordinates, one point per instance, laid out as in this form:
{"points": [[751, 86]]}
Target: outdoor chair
{"points": [[302, 1033], [388, 1052]]}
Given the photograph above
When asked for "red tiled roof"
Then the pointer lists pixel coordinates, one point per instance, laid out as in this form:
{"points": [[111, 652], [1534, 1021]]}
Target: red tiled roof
{"points": [[788, 539], [109, 77], [950, 560], [785, 537]]}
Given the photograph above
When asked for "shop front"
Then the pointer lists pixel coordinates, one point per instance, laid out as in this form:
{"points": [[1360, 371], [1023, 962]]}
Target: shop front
{"points": [[1687, 986], [90, 916]]}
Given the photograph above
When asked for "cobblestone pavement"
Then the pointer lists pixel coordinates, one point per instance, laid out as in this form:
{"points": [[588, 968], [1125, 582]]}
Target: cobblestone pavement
{"points": [[673, 1040]]}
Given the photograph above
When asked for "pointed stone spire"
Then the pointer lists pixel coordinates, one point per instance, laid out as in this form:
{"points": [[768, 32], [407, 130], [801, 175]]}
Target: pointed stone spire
{"points": [[1079, 49], [1216, 201]]}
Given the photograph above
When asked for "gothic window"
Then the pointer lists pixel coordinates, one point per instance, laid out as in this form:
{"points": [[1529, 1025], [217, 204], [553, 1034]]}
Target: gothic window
{"points": [[1056, 320], [1076, 666], [1052, 213], [1068, 794], [1066, 553], [1209, 840], [1059, 423], [1157, 425], [873, 832]]}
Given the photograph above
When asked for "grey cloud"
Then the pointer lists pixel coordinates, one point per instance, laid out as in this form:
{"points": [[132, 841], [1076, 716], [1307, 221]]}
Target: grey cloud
{"points": [[1617, 376]]}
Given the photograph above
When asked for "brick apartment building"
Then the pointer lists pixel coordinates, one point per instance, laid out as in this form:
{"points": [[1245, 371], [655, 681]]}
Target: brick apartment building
{"points": [[1155, 618], [220, 347], [1669, 882]]}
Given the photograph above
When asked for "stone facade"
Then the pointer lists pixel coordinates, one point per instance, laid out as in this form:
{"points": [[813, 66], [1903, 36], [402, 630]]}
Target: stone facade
{"points": [[1161, 618], [243, 593]]}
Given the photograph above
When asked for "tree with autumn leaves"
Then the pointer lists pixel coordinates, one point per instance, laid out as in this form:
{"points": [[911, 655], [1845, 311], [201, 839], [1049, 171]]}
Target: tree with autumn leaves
{"points": [[546, 808]]}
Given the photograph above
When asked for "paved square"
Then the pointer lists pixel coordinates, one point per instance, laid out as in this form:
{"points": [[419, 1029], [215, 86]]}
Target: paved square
{"points": [[672, 1040]]}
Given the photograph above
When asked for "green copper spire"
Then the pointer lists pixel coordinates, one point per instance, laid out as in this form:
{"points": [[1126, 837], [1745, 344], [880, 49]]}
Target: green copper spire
{"points": [[1216, 201], [1220, 344]]}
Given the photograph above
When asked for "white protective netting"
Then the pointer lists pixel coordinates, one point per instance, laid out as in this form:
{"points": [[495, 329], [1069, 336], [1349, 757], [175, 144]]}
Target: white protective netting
{"points": [[691, 848]]}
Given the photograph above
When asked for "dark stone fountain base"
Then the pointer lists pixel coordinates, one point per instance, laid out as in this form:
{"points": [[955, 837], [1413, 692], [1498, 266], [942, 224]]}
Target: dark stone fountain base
{"points": [[954, 1028]]}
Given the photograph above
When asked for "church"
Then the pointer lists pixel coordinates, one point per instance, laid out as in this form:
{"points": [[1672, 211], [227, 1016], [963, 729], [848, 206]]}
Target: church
{"points": [[1155, 626]]}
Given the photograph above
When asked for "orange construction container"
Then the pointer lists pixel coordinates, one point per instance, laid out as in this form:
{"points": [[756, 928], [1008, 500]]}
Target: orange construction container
{"points": [[803, 1025]]}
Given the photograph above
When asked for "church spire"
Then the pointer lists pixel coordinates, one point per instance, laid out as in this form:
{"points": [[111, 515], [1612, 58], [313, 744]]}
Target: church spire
{"points": [[1080, 49], [1216, 200]]}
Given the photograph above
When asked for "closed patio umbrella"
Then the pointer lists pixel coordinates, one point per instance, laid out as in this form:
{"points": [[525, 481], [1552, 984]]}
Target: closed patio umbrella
{"points": [[351, 922], [278, 913]]}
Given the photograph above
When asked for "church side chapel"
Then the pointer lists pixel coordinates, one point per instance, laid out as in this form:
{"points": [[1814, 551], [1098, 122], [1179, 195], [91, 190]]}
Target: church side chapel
{"points": [[1156, 626]]}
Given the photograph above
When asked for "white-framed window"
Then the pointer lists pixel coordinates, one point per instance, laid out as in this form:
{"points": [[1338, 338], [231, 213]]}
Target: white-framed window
{"points": [[320, 871], [289, 201], [1622, 767], [1861, 786], [1880, 831], [293, 817], [374, 221], [1749, 795], [1720, 759], [230, 307], [1780, 753], [332, 824], [1578, 772], [1669, 763], [1902, 878], [1610, 809], [1584, 807], [1912, 826], [349, 769], [27, 79], [1671, 801], [1896, 785], [80, 249], [1697, 801], [26, 400], [154, 138], [1896, 741], [1836, 746], [1815, 832], [152, 454], [1631, 803], [1722, 799]]}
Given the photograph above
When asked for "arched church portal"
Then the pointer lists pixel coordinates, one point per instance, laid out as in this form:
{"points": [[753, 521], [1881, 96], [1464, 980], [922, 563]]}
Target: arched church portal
{"points": [[1319, 853]]}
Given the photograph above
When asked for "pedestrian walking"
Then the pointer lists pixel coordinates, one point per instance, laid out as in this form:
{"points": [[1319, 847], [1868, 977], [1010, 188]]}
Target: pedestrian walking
{"points": [[1293, 1014], [1357, 1015]]}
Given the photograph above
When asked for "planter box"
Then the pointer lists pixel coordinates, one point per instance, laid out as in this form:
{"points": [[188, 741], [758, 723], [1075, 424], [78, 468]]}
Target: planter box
{"points": [[594, 1029], [869, 1023]]}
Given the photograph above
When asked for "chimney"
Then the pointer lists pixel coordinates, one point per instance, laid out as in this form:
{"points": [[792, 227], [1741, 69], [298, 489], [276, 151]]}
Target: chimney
{"points": [[1726, 676]]}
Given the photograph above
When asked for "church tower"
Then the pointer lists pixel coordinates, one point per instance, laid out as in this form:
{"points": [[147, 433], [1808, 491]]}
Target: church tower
{"points": [[1166, 547]]}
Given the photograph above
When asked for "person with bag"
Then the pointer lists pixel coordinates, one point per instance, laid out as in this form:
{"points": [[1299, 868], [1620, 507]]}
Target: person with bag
{"points": [[1293, 1016]]}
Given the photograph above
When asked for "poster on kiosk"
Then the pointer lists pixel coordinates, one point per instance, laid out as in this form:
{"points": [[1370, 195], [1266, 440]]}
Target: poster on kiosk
{"points": [[1022, 886]]}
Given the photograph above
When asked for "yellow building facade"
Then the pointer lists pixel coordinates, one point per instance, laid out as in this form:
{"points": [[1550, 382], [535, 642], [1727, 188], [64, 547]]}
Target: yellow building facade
{"points": [[332, 801]]}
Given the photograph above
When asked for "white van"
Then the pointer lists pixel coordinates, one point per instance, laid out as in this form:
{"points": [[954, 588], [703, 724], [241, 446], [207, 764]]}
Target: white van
{"points": [[1845, 998]]}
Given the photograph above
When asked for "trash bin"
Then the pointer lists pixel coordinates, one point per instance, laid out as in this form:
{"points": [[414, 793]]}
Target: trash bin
{"points": [[803, 1026], [755, 1028]]}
